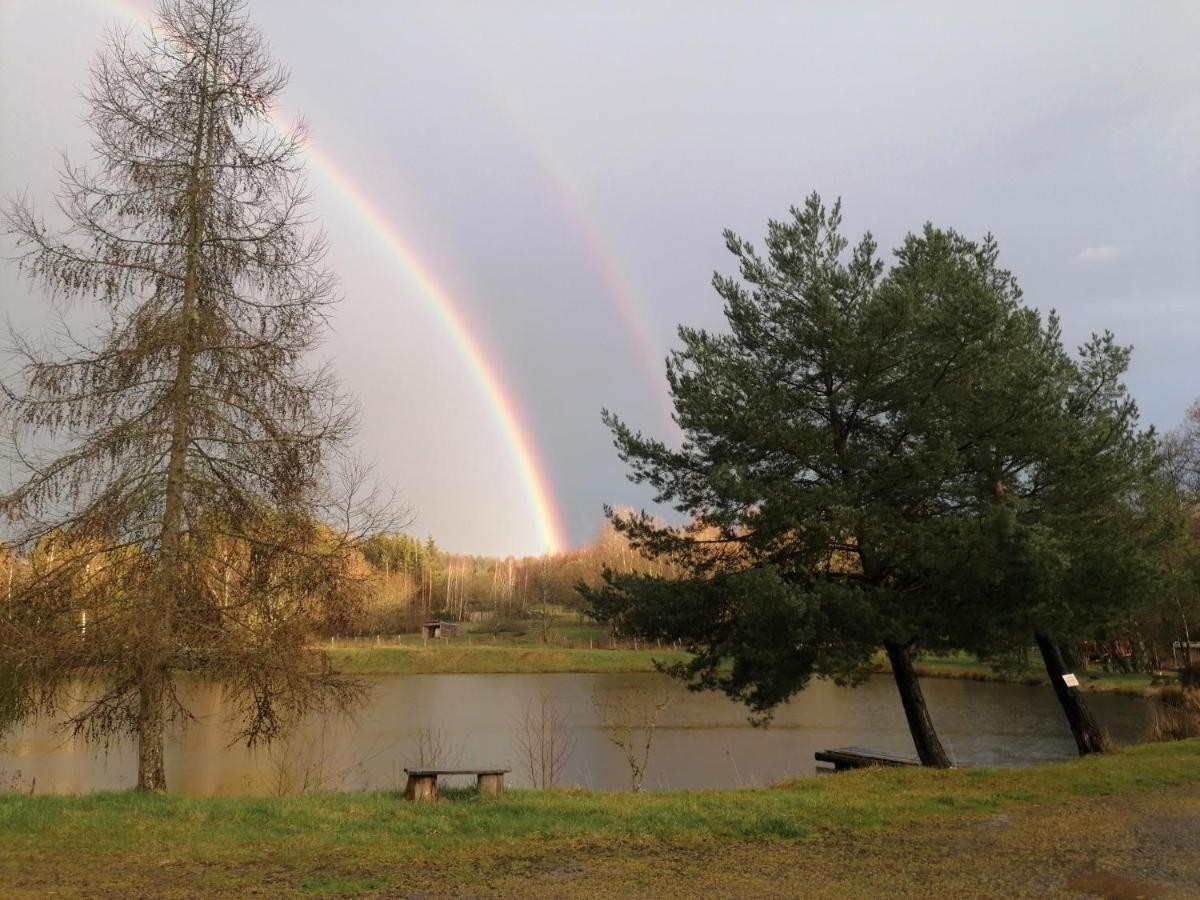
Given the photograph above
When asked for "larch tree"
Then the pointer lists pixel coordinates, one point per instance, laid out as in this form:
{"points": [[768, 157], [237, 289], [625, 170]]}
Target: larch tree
{"points": [[176, 441]]}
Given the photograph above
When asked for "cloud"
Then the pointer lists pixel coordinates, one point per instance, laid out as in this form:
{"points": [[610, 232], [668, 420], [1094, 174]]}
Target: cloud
{"points": [[1102, 253]]}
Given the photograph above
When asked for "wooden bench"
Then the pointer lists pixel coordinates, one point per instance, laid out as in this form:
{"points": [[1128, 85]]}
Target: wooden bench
{"points": [[422, 783], [844, 758]]}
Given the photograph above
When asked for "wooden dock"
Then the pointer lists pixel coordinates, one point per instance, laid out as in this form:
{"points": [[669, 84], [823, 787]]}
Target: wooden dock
{"points": [[844, 758]]}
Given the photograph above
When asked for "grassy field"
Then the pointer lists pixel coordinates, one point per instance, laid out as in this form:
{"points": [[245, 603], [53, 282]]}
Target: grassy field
{"points": [[564, 644], [407, 660], [962, 665], [559, 644], [1126, 822]]}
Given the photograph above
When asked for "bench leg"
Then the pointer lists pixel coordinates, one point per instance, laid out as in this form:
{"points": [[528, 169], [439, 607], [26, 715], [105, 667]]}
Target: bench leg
{"points": [[421, 787], [490, 785]]}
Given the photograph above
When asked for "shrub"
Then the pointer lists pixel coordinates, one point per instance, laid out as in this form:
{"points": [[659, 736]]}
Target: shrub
{"points": [[1179, 715], [515, 627]]}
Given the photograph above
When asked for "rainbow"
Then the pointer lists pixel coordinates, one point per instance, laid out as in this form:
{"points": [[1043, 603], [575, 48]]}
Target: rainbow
{"points": [[516, 433], [571, 199], [604, 258]]}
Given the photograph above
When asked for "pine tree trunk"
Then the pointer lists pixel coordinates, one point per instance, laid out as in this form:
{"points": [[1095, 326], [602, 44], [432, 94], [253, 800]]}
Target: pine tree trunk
{"points": [[152, 773], [924, 735], [1088, 736]]}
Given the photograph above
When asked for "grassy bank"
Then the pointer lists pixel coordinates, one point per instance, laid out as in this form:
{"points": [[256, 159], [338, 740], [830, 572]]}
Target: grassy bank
{"points": [[446, 657], [558, 644], [407, 660], [962, 665], [584, 842], [563, 644]]}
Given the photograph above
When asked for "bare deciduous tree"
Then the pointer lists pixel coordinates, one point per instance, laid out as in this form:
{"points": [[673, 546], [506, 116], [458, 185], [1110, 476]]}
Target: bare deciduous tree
{"points": [[176, 444], [546, 739], [631, 718], [433, 748], [303, 760]]}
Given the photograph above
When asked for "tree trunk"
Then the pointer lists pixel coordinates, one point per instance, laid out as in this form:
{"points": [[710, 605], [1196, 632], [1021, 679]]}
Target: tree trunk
{"points": [[924, 735], [1088, 736], [152, 773]]}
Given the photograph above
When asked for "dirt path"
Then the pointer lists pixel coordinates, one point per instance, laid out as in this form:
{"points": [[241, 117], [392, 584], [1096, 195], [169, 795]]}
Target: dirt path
{"points": [[1147, 847]]}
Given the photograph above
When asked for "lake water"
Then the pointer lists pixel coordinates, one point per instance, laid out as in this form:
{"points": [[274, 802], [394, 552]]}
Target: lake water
{"points": [[702, 740]]}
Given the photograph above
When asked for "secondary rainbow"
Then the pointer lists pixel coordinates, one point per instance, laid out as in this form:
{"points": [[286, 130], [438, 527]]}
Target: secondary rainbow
{"points": [[500, 400], [570, 196]]}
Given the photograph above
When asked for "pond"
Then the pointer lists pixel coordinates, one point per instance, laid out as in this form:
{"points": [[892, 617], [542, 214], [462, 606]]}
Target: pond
{"points": [[702, 740]]}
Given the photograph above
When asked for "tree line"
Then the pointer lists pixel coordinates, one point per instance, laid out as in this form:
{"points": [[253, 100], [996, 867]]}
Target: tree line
{"points": [[412, 581]]}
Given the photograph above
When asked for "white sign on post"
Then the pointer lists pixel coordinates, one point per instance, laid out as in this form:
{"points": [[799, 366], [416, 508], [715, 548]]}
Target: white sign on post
{"points": [[1071, 680]]}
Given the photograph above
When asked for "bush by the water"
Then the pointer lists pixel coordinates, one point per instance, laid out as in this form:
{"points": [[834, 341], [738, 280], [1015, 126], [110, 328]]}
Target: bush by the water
{"points": [[1179, 715]]}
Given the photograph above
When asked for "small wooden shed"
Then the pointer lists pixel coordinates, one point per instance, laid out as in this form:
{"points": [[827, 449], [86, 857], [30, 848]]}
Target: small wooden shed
{"points": [[439, 629]]}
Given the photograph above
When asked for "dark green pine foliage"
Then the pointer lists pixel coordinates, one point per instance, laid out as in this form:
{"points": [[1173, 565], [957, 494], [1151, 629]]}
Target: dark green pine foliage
{"points": [[1068, 541], [846, 443]]}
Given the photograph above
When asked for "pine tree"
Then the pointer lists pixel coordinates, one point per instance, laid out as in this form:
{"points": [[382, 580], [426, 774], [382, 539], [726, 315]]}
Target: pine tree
{"points": [[841, 440], [1063, 536]]}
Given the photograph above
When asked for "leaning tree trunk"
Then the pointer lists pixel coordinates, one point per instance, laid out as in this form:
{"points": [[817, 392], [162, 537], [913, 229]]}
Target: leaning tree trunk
{"points": [[924, 735], [1088, 736]]}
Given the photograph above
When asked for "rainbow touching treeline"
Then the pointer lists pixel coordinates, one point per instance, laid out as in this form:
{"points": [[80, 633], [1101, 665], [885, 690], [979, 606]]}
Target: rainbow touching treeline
{"points": [[500, 400], [503, 405]]}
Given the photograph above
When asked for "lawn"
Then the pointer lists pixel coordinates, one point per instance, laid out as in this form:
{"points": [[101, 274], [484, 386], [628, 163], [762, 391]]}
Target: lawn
{"points": [[560, 643], [446, 658], [828, 834], [565, 644], [963, 665]]}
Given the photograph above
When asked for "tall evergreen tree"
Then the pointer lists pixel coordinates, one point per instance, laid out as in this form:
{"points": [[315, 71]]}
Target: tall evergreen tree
{"points": [[1063, 541], [180, 441], [836, 441]]}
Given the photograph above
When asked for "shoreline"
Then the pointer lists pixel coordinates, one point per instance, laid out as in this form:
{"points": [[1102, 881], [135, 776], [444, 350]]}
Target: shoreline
{"points": [[497, 659]]}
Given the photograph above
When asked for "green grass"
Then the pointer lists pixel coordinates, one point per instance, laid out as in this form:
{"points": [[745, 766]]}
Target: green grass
{"points": [[559, 644], [564, 644], [560, 631], [965, 666], [409, 660], [353, 843]]}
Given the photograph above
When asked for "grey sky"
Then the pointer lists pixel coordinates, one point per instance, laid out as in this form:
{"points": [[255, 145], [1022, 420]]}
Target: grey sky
{"points": [[1069, 130]]}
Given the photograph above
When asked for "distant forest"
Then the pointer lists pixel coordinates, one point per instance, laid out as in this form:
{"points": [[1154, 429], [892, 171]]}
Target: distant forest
{"points": [[412, 580]]}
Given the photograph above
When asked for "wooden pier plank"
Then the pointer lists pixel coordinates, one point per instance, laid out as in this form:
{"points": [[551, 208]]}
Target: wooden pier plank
{"points": [[844, 758]]}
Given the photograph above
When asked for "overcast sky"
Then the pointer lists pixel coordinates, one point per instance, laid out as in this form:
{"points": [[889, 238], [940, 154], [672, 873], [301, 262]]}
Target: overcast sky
{"points": [[546, 159]]}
